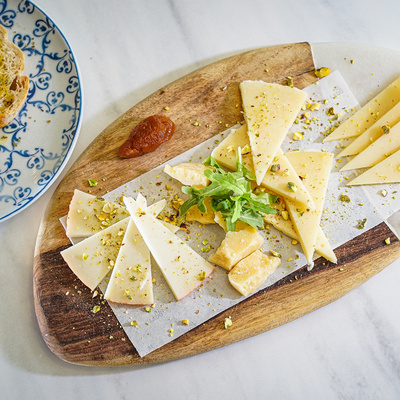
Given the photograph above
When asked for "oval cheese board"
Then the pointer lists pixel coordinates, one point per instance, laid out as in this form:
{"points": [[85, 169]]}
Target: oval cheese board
{"points": [[64, 305]]}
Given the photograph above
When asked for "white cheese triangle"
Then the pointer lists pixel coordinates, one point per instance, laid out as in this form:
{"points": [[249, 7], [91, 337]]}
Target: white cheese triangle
{"points": [[390, 119], [382, 148], [130, 281], [269, 110], [183, 269], [95, 256], [387, 171], [225, 154], [367, 115], [315, 168]]}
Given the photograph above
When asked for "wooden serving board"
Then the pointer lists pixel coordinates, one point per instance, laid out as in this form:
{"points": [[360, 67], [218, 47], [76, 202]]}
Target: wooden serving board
{"points": [[210, 96]]}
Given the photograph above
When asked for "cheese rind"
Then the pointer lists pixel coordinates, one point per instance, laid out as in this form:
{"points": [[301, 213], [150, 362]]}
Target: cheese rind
{"points": [[360, 143], [251, 272], [387, 171], [225, 154], [130, 281], [183, 269], [367, 115], [269, 110], [315, 167], [376, 152], [236, 246], [95, 256]]}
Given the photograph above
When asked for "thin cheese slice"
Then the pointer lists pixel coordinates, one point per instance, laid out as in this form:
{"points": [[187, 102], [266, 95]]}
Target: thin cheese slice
{"points": [[189, 174], [390, 119], [366, 116], [387, 171], [269, 110], [283, 223], [315, 167], [225, 154], [130, 281], [95, 256], [379, 150], [89, 214], [183, 269]]}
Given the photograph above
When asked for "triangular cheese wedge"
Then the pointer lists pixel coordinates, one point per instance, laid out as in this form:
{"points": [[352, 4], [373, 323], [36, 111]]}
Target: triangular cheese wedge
{"points": [[376, 152], [315, 168], [95, 256], [225, 154], [284, 224], [390, 119], [269, 110], [387, 171], [130, 281], [367, 115], [183, 269], [89, 214]]}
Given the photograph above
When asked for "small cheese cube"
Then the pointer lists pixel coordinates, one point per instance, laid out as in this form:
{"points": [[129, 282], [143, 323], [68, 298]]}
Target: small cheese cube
{"points": [[236, 246], [251, 272]]}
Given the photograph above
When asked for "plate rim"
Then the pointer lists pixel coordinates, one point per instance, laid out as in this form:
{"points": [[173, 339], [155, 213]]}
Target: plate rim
{"points": [[63, 164]]}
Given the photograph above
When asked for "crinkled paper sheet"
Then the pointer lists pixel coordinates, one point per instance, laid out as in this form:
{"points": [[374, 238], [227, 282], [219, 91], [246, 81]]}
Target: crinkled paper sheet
{"points": [[340, 222]]}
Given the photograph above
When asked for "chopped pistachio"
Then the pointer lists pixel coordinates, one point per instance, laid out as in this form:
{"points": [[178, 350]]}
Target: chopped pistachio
{"points": [[344, 198], [92, 182], [292, 187], [385, 128], [361, 224], [321, 72], [387, 240], [275, 253], [228, 322]]}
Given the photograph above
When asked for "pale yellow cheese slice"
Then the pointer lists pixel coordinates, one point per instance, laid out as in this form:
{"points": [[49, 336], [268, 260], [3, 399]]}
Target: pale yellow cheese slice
{"points": [[225, 154], [390, 119], [285, 225], [382, 148], [251, 272], [131, 281], [194, 214], [189, 174], [95, 256], [367, 115], [183, 269], [269, 110], [89, 214], [236, 246], [315, 168], [387, 171]]}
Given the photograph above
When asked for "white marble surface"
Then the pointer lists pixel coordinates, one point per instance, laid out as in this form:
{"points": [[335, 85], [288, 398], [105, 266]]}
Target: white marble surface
{"points": [[347, 350]]}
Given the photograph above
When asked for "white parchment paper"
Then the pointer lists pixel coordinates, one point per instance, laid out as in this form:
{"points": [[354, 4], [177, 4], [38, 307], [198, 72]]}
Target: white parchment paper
{"points": [[340, 222]]}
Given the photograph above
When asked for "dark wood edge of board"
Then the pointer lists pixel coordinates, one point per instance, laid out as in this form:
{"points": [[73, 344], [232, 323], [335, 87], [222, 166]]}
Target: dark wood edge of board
{"points": [[286, 300]]}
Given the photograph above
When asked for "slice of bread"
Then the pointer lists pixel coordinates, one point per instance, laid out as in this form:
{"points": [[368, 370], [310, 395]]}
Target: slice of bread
{"points": [[13, 85]]}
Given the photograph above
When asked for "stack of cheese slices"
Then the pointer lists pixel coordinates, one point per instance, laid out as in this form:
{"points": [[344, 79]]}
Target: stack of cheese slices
{"points": [[376, 146]]}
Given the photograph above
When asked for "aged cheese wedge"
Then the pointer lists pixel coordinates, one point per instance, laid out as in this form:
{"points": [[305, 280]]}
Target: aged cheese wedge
{"points": [[390, 119], [283, 223], [236, 246], [387, 171], [367, 115], [251, 272], [183, 269], [89, 214], [95, 256], [376, 152], [269, 110], [315, 168], [194, 214], [189, 174], [130, 281], [225, 154]]}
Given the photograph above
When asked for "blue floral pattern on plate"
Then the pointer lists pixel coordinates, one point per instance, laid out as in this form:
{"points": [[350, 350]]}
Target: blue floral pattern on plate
{"points": [[36, 144]]}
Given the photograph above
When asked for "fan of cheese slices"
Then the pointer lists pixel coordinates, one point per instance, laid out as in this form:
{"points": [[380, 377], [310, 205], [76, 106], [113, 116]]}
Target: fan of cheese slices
{"points": [[376, 146]]}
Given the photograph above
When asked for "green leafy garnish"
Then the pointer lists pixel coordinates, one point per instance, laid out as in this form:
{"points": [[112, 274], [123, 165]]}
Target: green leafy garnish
{"points": [[231, 194]]}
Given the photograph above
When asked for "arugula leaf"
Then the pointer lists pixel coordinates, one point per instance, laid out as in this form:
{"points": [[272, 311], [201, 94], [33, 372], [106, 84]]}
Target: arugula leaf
{"points": [[231, 194]]}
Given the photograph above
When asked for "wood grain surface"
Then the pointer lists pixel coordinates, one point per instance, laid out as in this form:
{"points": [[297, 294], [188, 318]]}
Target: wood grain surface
{"points": [[210, 96]]}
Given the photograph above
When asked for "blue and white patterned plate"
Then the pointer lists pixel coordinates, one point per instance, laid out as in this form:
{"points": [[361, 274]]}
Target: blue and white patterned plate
{"points": [[36, 145]]}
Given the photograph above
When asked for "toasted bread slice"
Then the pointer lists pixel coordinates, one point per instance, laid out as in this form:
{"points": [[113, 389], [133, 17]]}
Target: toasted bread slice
{"points": [[13, 84]]}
